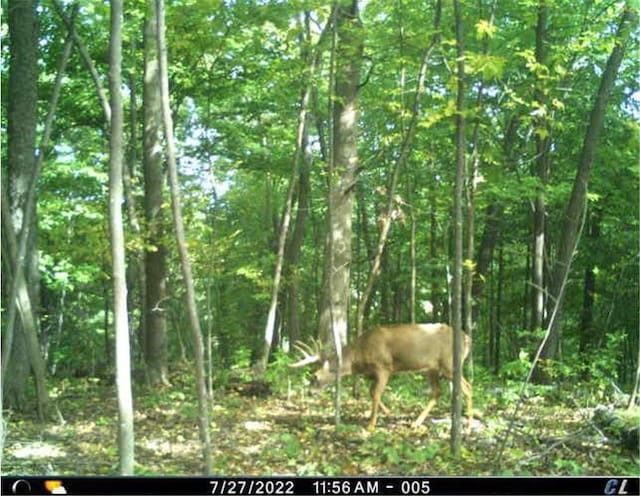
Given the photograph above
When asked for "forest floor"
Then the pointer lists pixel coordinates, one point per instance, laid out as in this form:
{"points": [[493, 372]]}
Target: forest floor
{"points": [[290, 433]]}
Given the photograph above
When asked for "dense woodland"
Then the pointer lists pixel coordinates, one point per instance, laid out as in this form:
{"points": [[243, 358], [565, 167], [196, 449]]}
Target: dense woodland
{"points": [[191, 187]]}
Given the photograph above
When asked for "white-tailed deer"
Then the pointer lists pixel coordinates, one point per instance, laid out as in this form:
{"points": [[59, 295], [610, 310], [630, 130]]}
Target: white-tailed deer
{"points": [[386, 350]]}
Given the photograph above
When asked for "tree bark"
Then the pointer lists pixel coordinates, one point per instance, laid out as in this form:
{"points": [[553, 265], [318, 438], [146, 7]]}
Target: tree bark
{"points": [[456, 403], [192, 311], [136, 281], [472, 178], [575, 208], [20, 205], [414, 268], [116, 227], [297, 238], [493, 222], [543, 146], [343, 165], [155, 259], [436, 300], [498, 326], [588, 299]]}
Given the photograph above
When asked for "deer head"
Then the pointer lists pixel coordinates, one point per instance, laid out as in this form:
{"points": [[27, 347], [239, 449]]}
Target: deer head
{"points": [[324, 365]]}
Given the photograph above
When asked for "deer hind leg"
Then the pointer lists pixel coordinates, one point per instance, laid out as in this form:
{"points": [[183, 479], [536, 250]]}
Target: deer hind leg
{"points": [[384, 409], [468, 392], [434, 380], [377, 388]]}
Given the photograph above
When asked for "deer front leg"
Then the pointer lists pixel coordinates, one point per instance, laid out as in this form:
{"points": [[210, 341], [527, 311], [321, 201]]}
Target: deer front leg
{"points": [[434, 380], [377, 387]]}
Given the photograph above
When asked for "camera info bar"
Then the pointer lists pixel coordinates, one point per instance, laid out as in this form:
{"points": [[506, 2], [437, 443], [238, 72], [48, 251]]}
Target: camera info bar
{"points": [[325, 486]]}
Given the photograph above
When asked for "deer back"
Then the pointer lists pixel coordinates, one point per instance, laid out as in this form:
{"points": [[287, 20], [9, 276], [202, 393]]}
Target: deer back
{"points": [[406, 347]]}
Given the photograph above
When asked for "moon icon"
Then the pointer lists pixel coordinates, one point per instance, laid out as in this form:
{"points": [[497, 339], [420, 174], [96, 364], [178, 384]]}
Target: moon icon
{"points": [[21, 486]]}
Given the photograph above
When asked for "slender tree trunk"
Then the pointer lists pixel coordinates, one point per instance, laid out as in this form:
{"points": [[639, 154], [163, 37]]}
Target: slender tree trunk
{"points": [[335, 298], [498, 328], [20, 344], [136, 281], [636, 386], [116, 227], [436, 300], [456, 404], [472, 178], [575, 208], [543, 145], [303, 191], [405, 152], [194, 323], [314, 58], [414, 268], [490, 235], [86, 59], [493, 221], [588, 299], [297, 238], [261, 364], [489, 314], [155, 262]]}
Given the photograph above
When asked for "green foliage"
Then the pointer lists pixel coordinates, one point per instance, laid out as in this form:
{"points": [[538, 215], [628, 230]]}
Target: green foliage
{"points": [[290, 445], [517, 369], [242, 358], [568, 467], [236, 78]]}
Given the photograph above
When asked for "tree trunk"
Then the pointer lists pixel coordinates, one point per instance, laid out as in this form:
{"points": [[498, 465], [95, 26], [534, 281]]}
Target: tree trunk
{"points": [[343, 165], [20, 344], [575, 208], [433, 256], [498, 328], [302, 212], [86, 58], [261, 364], [493, 222], [586, 325], [468, 304], [116, 227], [135, 268], [403, 157], [456, 403], [414, 267], [192, 311], [543, 145], [154, 339], [295, 245]]}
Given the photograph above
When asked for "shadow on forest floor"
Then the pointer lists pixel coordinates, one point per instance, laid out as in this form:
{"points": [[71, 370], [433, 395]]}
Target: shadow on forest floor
{"points": [[295, 435]]}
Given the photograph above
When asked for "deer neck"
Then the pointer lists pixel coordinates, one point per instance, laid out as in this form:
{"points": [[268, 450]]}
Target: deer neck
{"points": [[347, 361]]}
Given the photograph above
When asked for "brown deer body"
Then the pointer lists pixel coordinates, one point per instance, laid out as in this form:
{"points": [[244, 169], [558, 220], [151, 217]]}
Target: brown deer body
{"points": [[386, 350]]}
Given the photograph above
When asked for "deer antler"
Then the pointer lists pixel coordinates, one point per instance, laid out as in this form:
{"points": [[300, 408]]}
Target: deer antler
{"points": [[311, 353]]}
